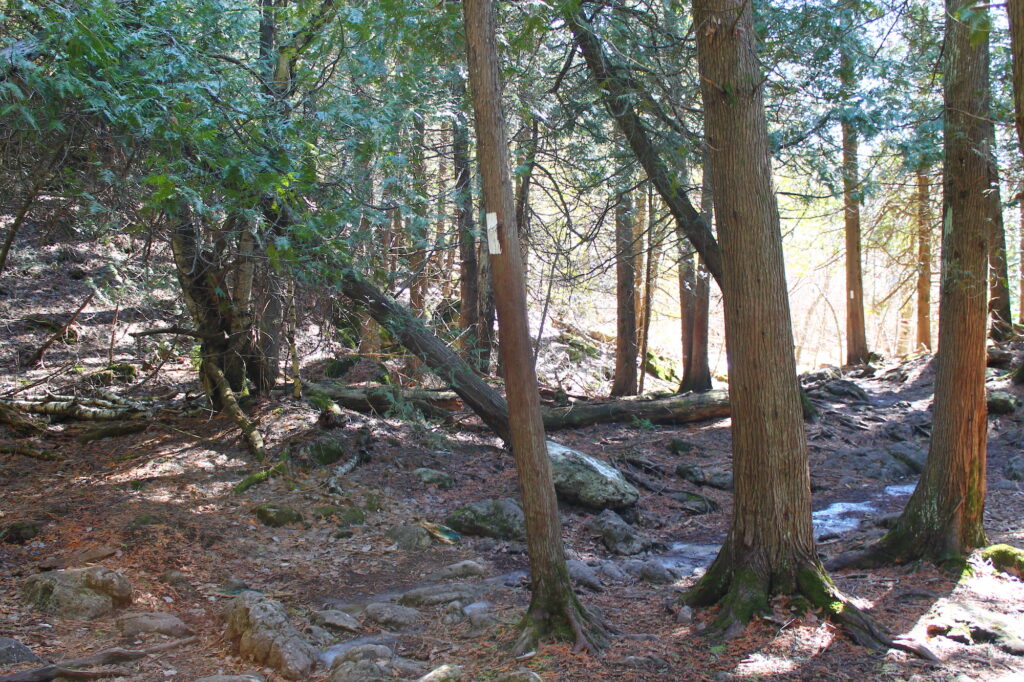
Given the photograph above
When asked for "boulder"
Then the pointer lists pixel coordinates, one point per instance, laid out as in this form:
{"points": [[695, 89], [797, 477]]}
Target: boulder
{"points": [[434, 477], [277, 515], [373, 663], [326, 450], [411, 537], [12, 651], [392, 616], [259, 629], [500, 519], [338, 621], [914, 456], [709, 476], [880, 465], [84, 593], [583, 575], [586, 480], [617, 535], [134, 624]]}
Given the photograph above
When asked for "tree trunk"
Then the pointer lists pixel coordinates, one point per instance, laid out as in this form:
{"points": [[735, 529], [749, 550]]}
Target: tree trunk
{"points": [[417, 227], [617, 93], [1001, 319], [697, 303], [770, 545], [673, 410], [943, 519], [1015, 10], [856, 333], [554, 609], [624, 382], [469, 269], [650, 282], [924, 261]]}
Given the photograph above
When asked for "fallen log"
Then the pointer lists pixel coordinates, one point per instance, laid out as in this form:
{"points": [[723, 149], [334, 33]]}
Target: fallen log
{"points": [[380, 399], [678, 409], [106, 657]]}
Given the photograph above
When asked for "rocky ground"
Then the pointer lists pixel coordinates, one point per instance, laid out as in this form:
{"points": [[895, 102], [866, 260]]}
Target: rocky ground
{"points": [[411, 565]]}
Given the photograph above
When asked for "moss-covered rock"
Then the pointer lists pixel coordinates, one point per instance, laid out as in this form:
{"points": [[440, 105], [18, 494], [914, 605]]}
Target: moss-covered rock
{"points": [[434, 477], [83, 593], [588, 481], [501, 519], [661, 367], [275, 515], [410, 537], [1006, 558], [351, 516], [1001, 402], [326, 450], [19, 532], [339, 367]]}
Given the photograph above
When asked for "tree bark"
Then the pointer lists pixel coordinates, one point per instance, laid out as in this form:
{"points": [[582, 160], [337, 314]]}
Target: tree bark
{"points": [[924, 260], [469, 269], [1001, 320], [696, 300], [624, 382], [770, 545], [554, 609], [856, 332], [943, 518]]}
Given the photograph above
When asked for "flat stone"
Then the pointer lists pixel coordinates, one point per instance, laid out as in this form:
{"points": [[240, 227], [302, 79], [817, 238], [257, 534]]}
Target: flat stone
{"points": [[12, 651], [135, 624], [393, 616], [336, 620], [446, 673], [434, 477], [500, 519], [1001, 402], [586, 480], [617, 535], [411, 537], [259, 629], [462, 569], [84, 593], [706, 476], [432, 595]]}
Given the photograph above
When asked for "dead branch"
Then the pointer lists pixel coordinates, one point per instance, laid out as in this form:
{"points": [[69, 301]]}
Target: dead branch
{"points": [[37, 357], [173, 329]]}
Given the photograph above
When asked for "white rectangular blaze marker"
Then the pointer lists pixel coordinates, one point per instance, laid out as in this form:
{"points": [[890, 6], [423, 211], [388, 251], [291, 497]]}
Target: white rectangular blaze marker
{"points": [[493, 245]]}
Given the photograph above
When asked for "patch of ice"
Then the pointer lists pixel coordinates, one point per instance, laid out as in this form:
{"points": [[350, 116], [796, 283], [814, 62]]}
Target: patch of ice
{"points": [[839, 517], [900, 490]]}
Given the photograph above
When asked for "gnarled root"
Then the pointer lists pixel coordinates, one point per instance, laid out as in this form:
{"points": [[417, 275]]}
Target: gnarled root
{"points": [[575, 622]]}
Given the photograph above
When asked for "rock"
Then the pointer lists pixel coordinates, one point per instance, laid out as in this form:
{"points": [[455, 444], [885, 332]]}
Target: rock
{"points": [[247, 677], [1001, 402], [259, 628], [618, 536], [336, 620], [1005, 558], [661, 367], [970, 624], [656, 573], [684, 616], [18, 532], [275, 515], [339, 367], [910, 454], [521, 675], [698, 475], [873, 463], [446, 673], [351, 516], [588, 481], [84, 593], [584, 575], [12, 651], [432, 595], [362, 671], [174, 577], [1004, 485], [612, 571], [462, 569], [392, 616], [1014, 470], [500, 519], [326, 450], [694, 503], [678, 446], [411, 537], [434, 477], [134, 624]]}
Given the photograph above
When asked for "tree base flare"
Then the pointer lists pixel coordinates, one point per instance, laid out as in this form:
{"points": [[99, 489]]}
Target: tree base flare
{"points": [[573, 623], [744, 592]]}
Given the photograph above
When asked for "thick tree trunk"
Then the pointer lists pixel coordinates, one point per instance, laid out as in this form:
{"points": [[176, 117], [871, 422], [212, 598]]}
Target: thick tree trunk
{"points": [[617, 92], [856, 332], [924, 261], [770, 545], [943, 519], [554, 609], [696, 301], [1001, 319], [1015, 10], [624, 382]]}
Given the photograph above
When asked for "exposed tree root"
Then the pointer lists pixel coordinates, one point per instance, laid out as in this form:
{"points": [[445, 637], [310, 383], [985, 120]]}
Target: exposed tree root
{"points": [[28, 451], [108, 656], [576, 623], [743, 593]]}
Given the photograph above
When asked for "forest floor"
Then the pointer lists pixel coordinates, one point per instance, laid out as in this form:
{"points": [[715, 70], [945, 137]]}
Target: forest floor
{"points": [[159, 507]]}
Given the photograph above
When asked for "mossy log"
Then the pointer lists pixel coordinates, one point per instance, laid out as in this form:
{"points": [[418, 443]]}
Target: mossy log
{"points": [[677, 409], [74, 409]]}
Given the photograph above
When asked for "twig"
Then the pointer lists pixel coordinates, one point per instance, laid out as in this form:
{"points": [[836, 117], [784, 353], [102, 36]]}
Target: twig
{"points": [[15, 391], [37, 357]]}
